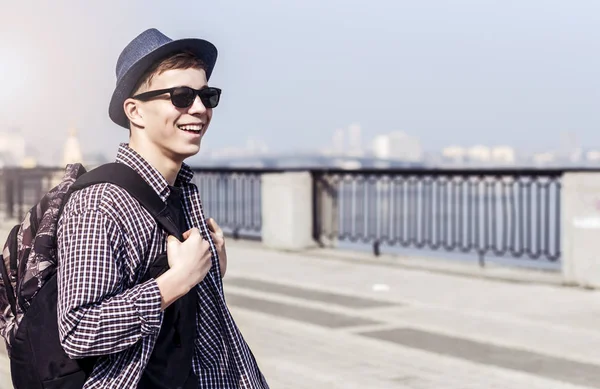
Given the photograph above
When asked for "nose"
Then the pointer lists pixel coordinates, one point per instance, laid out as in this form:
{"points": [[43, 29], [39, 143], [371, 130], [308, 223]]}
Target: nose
{"points": [[197, 107]]}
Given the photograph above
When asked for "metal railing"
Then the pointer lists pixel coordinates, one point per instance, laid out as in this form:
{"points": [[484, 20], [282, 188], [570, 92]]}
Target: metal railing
{"points": [[20, 188], [231, 197], [512, 213]]}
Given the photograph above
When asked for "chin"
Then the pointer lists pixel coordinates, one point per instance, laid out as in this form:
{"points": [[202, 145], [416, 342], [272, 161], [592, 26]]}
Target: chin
{"points": [[188, 151]]}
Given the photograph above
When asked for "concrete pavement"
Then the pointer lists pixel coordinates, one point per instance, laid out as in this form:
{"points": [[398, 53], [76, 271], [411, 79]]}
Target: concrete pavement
{"points": [[328, 323], [315, 320]]}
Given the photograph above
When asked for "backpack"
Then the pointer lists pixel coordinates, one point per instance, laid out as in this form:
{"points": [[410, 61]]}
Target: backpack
{"points": [[28, 284]]}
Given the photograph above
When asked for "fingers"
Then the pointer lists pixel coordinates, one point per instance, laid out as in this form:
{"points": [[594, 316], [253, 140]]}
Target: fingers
{"points": [[211, 224], [216, 237], [190, 232], [214, 227]]}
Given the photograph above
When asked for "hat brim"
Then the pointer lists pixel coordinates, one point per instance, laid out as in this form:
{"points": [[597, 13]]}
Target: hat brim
{"points": [[203, 50]]}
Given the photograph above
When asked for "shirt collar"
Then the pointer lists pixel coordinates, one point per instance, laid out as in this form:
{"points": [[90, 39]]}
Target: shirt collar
{"points": [[131, 158]]}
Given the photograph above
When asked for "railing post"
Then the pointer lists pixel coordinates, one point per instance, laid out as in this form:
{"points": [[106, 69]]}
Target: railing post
{"points": [[481, 258], [325, 210], [580, 232], [287, 210], [10, 195], [316, 208], [20, 196], [377, 248]]}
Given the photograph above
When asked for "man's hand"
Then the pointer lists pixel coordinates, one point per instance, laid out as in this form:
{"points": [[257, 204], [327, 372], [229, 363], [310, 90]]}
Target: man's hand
{"points": [[189, 262], [217, 235]]}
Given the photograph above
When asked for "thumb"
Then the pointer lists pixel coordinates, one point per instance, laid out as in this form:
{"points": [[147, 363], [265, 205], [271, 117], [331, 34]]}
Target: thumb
{"points": [[214, 227], [171, 240]]}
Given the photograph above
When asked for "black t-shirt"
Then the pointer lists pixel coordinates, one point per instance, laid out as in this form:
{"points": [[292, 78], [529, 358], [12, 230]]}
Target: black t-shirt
{"points": [[170, 364]]}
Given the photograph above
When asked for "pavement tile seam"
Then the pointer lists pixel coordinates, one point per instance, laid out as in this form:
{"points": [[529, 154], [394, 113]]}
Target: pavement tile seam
{"points": [[484, 369], [550, 367], [311, 294], [383, 298], [396, 361], [298, 312], [364, 313], [473, 312], [429, 328], [559, 349], [387, 323]]}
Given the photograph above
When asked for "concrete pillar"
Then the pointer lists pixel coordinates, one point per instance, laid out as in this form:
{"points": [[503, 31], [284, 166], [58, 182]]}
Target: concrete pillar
{"points": [[287, 213], [580, 219], [327, 210]]}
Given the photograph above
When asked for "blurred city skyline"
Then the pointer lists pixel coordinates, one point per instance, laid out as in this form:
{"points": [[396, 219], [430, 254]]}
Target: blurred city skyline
{"points": [[347, 149], [520, 74]]}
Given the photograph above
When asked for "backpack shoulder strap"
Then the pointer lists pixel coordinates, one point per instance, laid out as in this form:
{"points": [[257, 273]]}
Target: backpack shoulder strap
{"points": [[125, 177]]}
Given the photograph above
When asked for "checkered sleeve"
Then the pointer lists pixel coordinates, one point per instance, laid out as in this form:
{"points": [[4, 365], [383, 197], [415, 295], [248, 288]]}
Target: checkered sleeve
{"points": [[95, 315]]}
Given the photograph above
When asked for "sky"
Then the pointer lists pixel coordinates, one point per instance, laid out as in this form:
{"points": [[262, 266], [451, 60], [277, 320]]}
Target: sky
{"points": [[524, 73]]}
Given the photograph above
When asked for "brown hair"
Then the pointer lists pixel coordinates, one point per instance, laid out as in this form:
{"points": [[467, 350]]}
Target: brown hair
{"points": [[180, 60]]}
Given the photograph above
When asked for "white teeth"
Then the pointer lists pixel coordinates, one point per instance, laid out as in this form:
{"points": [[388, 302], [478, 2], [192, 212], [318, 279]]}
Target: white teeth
{"points": [[192, 127]]}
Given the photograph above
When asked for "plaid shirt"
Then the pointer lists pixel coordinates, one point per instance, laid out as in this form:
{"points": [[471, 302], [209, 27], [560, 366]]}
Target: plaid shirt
{"points": [[105, 243]]}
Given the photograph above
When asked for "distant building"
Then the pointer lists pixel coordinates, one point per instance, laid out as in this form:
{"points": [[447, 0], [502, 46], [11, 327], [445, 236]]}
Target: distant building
{"points": [[593, 156], [12, 149], [349, 164], [576, 155], [338, 142], [454, 154], [542, 159], [256, 146], [355, 144], [72, 150], [29, 162], [503, 155], [381, 146], [397, 146], [479, 153]]}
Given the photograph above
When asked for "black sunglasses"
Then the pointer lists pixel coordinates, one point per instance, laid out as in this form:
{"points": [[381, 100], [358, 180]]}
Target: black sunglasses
{"points": [[184, 96]]}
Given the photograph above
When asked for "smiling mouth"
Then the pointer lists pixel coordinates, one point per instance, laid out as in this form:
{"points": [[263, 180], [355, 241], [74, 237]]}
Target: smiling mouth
{"points": [[192, 128]]}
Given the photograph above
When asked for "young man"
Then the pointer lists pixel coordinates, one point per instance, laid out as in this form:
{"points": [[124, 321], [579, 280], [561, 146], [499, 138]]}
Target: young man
{"points": [[174, 331]]}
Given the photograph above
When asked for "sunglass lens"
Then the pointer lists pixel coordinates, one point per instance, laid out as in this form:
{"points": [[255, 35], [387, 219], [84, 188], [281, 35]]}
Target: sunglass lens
{"points": [[183, 97], [210, 97]]}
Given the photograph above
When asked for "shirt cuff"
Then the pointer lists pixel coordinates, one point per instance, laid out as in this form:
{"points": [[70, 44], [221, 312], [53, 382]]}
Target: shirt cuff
{"points": [[148, 305]]}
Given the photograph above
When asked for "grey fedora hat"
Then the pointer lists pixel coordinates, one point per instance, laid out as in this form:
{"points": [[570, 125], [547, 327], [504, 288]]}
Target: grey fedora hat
{"points": [[143, 51]]}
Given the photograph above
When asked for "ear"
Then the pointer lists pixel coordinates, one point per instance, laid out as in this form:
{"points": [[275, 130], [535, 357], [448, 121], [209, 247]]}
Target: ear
{"points": [[133, 112]]}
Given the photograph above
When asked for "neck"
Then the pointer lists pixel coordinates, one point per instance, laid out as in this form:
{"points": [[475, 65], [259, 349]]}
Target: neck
{"points": [[166, 166]]}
